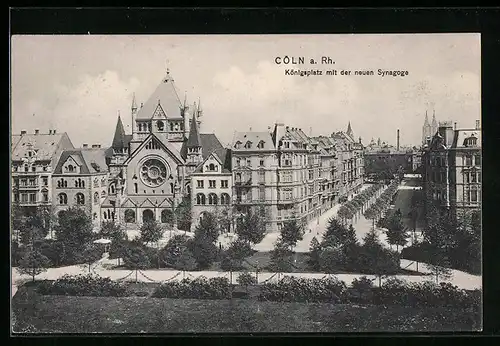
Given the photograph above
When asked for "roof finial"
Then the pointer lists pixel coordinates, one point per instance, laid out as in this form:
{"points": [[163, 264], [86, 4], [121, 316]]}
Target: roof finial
{"points": [[134, 103]]}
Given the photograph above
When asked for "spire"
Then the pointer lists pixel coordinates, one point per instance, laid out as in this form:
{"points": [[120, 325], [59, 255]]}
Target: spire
{"points": [[119, 138], [134, 103], [349, 129], [434, 122], [200, 111], [194, 135], [426, 121]]}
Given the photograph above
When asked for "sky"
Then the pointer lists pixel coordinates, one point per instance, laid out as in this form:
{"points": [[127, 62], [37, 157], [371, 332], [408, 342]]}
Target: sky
{"points": [[79, 84]]}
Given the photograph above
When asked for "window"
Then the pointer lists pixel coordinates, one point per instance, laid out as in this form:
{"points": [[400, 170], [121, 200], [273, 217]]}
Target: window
{"points": [[262, 193], [212, 168], [112, 189], [261, 163], [16, 197], [96, 197], [211, 184], [63, 199], [96, 182], [260, 145], [33, 168], [224, 184], [171, 188], [160, 125], [129, 216], [467, 177], [32, 182], [26, 169], [238, 162], [249, 163], [473, 177], [70, 168], [200, 199], [477, 160], [224, 198], [45, 196], [443, 177], [80, 198], [32, 197], [468, 161], [24, 198], [237, 145], [200, 184], [248, 145], [136, 189], [212, 199], [262, 176], [473, 195]]}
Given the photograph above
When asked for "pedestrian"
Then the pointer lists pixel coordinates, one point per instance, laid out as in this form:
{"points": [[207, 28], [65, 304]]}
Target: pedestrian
{"points": [[310, 230]]}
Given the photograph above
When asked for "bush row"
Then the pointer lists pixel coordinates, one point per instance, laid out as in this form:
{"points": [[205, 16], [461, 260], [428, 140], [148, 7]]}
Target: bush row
{"points": [[199, 288], [393, 291], [83, 285]]}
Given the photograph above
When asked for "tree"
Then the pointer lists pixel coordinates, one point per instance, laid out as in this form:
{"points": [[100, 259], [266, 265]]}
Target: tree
{"points": [[246, 279], [396, 230], [314, 254], [281, 258], [251, 227], [74, 230], [183, 214], [90, 255], [376, 259], [173, 249], [439, 266], [135, 257], [232, 258], [291, 233], [113, 231], [331, 259], [203, 250], [151, 232], [185, 261], [33, 262], [207, 228]]}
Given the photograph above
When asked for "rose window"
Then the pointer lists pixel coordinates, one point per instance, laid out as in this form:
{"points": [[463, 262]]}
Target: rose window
{"points": [[153, 172]]}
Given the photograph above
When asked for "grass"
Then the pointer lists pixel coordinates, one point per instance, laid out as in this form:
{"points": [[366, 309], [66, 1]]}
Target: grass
{"points": [[65, 314]]}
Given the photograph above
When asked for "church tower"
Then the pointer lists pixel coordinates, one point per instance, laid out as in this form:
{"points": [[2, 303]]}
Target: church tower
{"points": [[426, 129], [119, 146], [194, 149], [349, 131], [434, 125]]}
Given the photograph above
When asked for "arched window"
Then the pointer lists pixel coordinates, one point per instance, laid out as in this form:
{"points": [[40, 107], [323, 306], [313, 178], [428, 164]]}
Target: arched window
{"points": [[94, 216], [65, 183], [80, 198], [63, 198], [136, 189], [82, 183], [59, 183], [76, 183], [96, 197], [112, 189], [160, 125], [224, 198], [129, 216], [96, 182], [212, 167], [188, 189], [237, 145], [103, 182], [171, 188], [104, 215], [260, 145], [212, 199], [200, 199], [70, 168], [167, 216], [171, 126], [103, 194], [147, 215]]}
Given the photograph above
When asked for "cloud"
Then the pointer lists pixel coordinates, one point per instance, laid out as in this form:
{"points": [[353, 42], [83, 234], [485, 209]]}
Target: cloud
{"points": [[88, 111]]}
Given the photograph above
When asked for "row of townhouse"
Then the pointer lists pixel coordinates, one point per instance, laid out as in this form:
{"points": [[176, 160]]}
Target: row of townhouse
{"points": [[166, 161]]}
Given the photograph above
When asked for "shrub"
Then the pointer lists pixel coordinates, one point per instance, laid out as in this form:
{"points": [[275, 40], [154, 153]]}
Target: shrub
{"points": [[290, 289], [199, 288], [84, 285]]}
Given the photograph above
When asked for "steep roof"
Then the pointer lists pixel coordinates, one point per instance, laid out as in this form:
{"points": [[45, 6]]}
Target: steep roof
{"points": [[166, 96], [255, 138], [462, 134], [45, 145], [349, 131], [120, 138], [194, 134], [91, 160]]}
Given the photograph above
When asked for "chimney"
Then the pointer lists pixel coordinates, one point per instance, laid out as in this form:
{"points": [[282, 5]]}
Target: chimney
{"points": [[23, 132], [286, 128], [397, 147], [455, 126], [85, 145], [37, 131], [96, 146], [142, 104], [53, 132], [446, 131], [477, 125]]}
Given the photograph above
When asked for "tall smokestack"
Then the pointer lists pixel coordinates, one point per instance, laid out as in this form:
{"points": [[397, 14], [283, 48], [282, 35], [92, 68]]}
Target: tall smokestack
{"points": [[397, 146], [477, 125]]}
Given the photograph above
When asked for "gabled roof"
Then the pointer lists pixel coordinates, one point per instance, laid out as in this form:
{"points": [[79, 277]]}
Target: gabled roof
{"points": [[91, 161], [45, 145], [166, 145], [225, 161], [167, 96]]}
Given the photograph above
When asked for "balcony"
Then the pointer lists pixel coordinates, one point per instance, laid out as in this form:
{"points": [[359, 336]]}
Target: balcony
{"points": [[28, 187]]}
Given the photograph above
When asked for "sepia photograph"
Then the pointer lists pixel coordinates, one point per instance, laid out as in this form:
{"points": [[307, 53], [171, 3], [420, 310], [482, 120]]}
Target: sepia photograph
{"points": [[326, 183]]}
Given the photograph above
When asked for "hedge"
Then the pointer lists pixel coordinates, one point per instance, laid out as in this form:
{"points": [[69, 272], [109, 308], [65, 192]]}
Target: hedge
{"points": [[199, 288], [83, 285]]}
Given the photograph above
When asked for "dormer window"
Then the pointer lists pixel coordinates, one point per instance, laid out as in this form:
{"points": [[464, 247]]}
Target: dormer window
{"points": [[237, 145], [260, 145], [212, 167], [248, 145], [160, 125], [470, 141], [71, 168]]}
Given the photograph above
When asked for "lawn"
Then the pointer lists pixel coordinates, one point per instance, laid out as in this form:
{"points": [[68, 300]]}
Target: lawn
{"points": [[66, 314]]}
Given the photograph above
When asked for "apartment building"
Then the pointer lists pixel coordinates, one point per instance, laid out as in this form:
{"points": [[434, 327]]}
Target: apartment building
{"points": [[33, 160], [451, 163]]}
